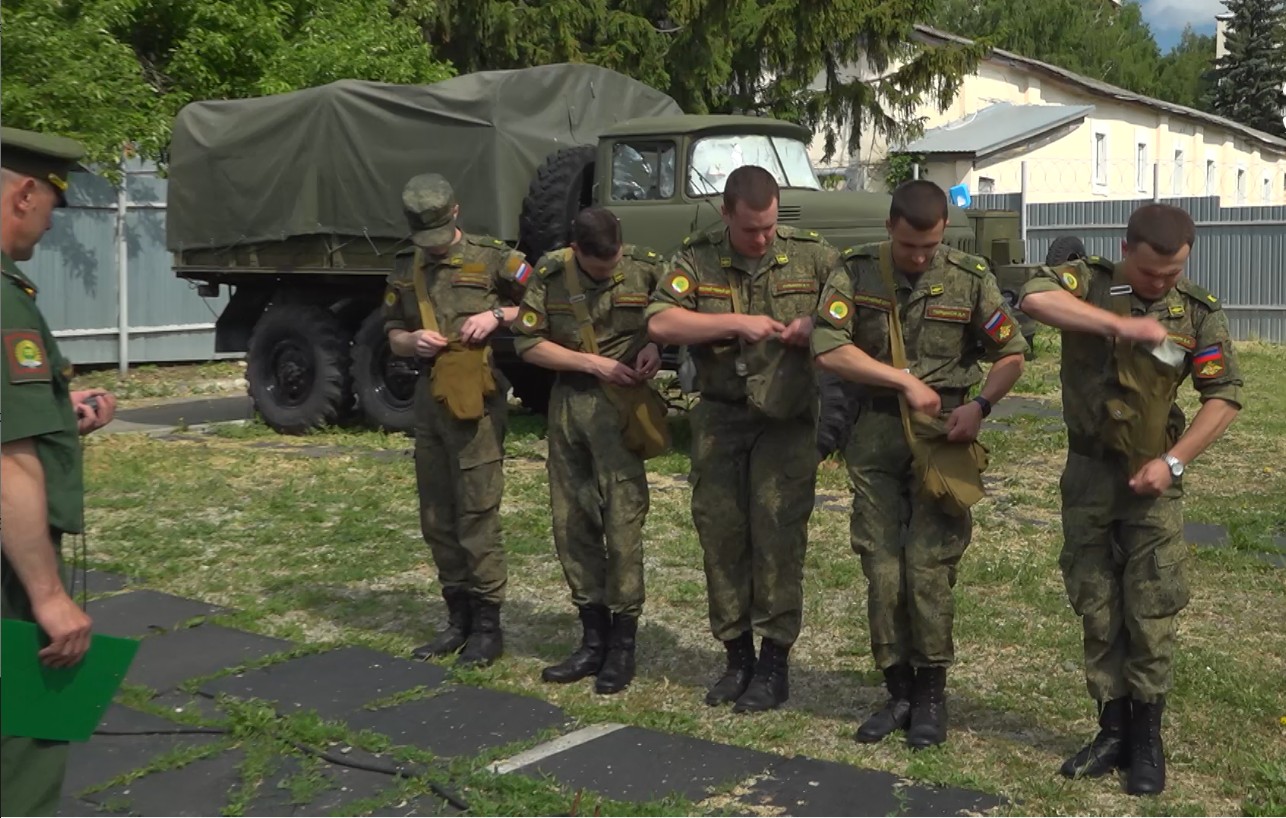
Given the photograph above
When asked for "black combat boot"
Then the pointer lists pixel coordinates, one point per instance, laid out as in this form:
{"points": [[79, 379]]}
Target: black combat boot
{"points": [[896, 713], [618, 667], [486, 642], [928, 708], [451, 638], [1147, 754], [735, 679], [770, 687], [588, 658], [1110, 749]]}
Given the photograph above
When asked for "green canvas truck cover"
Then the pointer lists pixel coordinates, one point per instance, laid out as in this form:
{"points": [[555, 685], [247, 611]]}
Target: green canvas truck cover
{"points": [[333, 159]]}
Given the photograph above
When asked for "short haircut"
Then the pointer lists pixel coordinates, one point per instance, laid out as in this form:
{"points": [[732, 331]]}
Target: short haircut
{"points": [[1165, 228], [750, 184], [597, 232], [920, 203]]}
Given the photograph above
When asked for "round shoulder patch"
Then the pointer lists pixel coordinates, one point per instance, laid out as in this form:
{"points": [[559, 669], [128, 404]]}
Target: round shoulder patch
{"points": [[837, 309], [680, 283], [390, 298], [1069, 280]]}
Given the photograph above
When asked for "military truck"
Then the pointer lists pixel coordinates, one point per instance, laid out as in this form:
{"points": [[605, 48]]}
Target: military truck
{"points": [[293, 203]]}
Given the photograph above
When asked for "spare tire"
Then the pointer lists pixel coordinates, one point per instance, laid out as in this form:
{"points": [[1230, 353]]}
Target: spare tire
{"points": [[383, 382], [562, 188], [297, 366], [1064, 249]]}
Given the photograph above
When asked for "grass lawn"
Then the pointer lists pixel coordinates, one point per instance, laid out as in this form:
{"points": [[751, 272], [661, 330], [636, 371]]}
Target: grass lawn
{"points": [[325, 550]]}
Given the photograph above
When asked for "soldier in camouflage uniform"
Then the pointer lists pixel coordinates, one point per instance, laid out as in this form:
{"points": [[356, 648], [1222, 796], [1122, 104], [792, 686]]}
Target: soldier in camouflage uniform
{"points": [[742, 297], [471, 283], [1123, 558], [42, 493], [597, 486], [953, 316]]}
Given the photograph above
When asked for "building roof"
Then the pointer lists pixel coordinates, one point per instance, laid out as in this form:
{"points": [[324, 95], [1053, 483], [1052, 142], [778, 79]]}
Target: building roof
{"points": [[1274, 143], [995, 128]]}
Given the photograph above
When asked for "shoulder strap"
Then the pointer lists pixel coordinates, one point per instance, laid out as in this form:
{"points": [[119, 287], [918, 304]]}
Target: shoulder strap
{"points": [[571, 274], [897, 344], [427, 318]]}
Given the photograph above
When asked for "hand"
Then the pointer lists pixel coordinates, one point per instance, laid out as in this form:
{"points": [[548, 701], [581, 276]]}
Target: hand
{"points": [[921, 398], [1141, 330], [798, 333], [964, 424], [90, 417], [67, 627], [1153, 479], [755, 328], [477, 327], [648, 363], [610, 371], [429, 343]]}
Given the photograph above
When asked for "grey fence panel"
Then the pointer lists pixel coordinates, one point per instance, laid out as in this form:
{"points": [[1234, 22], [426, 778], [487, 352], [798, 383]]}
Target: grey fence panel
{"points": [[77, 270]]}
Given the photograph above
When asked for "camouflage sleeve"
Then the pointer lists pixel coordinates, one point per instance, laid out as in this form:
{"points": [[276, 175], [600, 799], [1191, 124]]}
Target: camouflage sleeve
{"points": [[1073, 277], [677, 288], [399, 308], [993, 324], [833, 323], [513, 276], [1215, 370], [532, 325], [830, 262]]}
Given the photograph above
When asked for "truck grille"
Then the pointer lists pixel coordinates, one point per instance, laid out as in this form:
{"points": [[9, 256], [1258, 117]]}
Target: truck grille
{"points": [[789, 213]]}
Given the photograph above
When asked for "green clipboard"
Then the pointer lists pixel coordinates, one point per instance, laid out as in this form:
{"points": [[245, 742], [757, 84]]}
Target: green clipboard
{"points": [[62, 704]]}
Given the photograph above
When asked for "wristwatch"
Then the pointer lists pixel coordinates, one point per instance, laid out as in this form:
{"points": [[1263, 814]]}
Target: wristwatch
{"points": [[498, 314], [1175, 464], [984, 403]]}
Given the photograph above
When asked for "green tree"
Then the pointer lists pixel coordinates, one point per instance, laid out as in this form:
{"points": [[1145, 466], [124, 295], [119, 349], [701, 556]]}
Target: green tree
{"points": [[790, 59], [1088, 37], [112, 72], [1250, 77], [1185, 71]]}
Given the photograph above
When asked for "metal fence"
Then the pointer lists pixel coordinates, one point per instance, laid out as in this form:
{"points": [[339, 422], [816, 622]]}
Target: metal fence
{"points": [[1239, 255], [105, 278]]}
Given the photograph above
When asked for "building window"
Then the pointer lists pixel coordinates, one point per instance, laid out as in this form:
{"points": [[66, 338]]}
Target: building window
{"points": [[1100, 159], [986, 184], [1141, 166], [1176, 183], [1241, 186], [1212, 181]]}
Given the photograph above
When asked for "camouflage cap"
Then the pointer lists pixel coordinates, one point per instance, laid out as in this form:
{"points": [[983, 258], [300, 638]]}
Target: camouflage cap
{"points": [[429, 203], [46, 157]]}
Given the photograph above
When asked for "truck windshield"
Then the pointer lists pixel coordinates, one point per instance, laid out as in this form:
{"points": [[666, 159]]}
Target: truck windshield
{"points": [[714, 157]]}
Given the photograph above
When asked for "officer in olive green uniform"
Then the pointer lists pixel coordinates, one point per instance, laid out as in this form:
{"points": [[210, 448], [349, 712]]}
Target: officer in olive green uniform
{"points": [[1124, 555], [463, 289], [43, 488], [754, 446], [952, 317], [597, 486]]}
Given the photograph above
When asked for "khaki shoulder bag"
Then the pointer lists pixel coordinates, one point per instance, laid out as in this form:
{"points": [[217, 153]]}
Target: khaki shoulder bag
{"points": [[461, 377]]}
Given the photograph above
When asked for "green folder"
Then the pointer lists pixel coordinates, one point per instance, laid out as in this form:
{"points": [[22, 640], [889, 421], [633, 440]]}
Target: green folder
{"points": [[63, 704]]}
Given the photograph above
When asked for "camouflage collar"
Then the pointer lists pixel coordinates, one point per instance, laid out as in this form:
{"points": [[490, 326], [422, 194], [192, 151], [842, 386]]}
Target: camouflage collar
{"points": [[11, 271]]}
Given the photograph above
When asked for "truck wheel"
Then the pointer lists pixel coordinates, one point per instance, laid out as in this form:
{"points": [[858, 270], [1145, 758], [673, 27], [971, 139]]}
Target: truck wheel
{"points": [[1064, 249], [532, 386], [384, 382], [298, 367], [562, 188]]}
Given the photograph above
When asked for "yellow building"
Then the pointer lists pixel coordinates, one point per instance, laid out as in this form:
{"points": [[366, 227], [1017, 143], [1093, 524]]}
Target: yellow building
{"points": [[1021, 125]]}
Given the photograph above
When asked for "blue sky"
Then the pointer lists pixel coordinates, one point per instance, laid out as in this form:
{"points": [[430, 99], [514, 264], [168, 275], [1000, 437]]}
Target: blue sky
{"points": [[1168, 17]]}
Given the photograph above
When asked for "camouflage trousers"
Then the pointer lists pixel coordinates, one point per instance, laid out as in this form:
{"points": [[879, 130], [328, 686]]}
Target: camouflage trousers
{"points": [[32, 769], [909, 547], [753, 481], [459, 473], [1123, 566], [599, 496]]}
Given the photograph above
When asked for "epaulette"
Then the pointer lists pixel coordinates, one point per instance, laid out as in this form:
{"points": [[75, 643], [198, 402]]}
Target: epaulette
{"points": [[645, 255], [788, 232], [486, 241], [714, 236], [1100, 263], [861, 251], [970, 264], [551, 262], [1197, 293]]}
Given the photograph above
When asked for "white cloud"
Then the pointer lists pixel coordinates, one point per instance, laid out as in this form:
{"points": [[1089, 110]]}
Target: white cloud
{"points": [[1175, 14]]}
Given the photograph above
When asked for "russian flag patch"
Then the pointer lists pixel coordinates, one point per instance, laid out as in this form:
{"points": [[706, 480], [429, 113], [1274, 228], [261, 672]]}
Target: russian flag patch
{"points": [[998, 327], [1209, 363], [522, 273]]}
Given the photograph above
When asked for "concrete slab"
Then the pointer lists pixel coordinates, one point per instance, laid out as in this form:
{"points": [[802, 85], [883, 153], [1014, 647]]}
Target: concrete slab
{"points": [[203, 787], [1207, 534], [187, 412], [103, 758], [139, 613], [164, 661]]}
